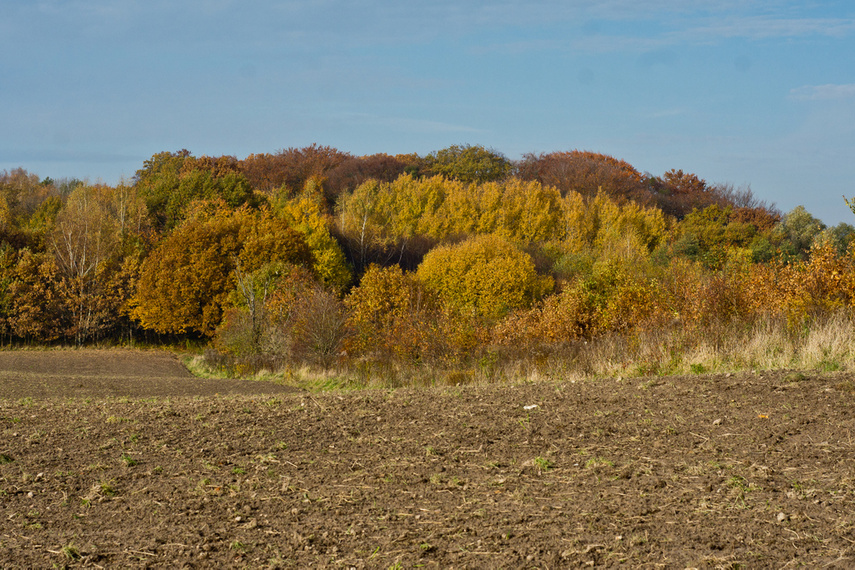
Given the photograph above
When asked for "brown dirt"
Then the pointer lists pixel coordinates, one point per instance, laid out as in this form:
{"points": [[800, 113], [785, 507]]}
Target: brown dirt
{"points": [[747, 470]]}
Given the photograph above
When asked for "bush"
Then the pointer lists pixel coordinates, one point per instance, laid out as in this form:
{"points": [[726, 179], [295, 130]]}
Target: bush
{"points": [[485, 275], [392, 315]]}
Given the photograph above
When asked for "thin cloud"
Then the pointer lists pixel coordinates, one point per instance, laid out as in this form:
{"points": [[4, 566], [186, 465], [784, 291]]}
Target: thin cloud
{"points": [[826, 92], [413, 125], [763, 27], [14, 155]]}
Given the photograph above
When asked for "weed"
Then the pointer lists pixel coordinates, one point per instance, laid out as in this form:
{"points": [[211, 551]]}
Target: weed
{"points": [[129, 461], [830, 366], [794, 377], [238, 471], [70, 551], [698, 369], [238, 546], [4, 459], [542, 464], [116, 420], [598, 463]]}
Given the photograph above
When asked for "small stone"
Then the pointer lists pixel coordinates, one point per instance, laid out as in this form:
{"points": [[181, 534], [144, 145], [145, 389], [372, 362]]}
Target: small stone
{"points": [[781, 517], [30, 495], [717, 422], [238, 519]]}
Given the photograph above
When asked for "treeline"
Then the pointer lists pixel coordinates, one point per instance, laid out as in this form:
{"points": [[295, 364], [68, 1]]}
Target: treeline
{"points": [[316, 255]]}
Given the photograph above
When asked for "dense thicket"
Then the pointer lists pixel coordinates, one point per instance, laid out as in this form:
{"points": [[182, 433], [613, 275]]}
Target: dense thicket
{"points": [[316, 255]]}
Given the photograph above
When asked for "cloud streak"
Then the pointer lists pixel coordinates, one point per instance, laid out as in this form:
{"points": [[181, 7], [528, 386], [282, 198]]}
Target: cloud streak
{"points": [[826, 92]]}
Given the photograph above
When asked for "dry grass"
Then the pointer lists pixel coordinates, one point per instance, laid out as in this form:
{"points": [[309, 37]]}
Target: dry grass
{"points": [[820, 343]]}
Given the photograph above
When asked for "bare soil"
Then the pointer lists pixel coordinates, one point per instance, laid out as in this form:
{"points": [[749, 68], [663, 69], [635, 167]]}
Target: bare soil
{"points": [[121, 458]]}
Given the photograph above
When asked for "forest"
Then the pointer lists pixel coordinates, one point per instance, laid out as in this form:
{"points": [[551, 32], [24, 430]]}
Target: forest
{"points": [[460, 265]]}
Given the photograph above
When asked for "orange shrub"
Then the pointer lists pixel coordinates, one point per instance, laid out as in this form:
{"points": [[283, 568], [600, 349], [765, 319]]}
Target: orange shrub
{"points": [[392, 315]]}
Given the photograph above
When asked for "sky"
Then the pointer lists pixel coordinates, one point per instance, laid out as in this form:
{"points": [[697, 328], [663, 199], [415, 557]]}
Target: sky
{"points": [[759, 94]]}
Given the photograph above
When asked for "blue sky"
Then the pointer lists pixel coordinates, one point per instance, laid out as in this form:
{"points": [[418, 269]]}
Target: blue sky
{"points": [[757, 93]]}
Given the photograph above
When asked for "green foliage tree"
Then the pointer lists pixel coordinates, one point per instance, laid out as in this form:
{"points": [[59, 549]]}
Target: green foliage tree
{"points": [[799, 229], [468, 163], [157, 181], [170, 182]]}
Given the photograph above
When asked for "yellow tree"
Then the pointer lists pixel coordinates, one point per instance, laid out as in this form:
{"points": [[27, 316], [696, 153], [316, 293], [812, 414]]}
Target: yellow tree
{"points": [[487, 275], [305, 213], [86, 245]]}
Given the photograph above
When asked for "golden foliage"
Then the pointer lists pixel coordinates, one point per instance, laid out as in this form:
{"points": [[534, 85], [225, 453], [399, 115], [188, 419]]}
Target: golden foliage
{"points": [[305, 214], [185, 283], [487, 275], [392, 314]]}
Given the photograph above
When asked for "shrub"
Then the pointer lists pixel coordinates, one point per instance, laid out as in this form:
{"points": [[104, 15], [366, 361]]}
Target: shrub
{"points": [[392, 315], [486, 275]]}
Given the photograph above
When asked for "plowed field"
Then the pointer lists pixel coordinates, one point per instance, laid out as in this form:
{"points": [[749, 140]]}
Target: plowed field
{"points": [[121, 458]]}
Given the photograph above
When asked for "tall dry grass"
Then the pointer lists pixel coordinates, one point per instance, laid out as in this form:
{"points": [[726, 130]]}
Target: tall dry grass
{"points": [[821, 343]]}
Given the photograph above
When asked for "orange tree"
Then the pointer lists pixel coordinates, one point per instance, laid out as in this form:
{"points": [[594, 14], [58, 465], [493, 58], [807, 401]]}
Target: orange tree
{"points": [[186, 281]]}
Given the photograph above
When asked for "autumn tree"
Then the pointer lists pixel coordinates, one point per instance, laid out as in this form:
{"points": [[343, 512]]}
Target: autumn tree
{"points": [[8, 262], [484, 274], [305, 212], [401, 221], [86, 245], [22, 199], [186, 282], [290, 168], [38, 312], [354, 171], [584, 172], [604, 229], [392, 315], [365, 224]]}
